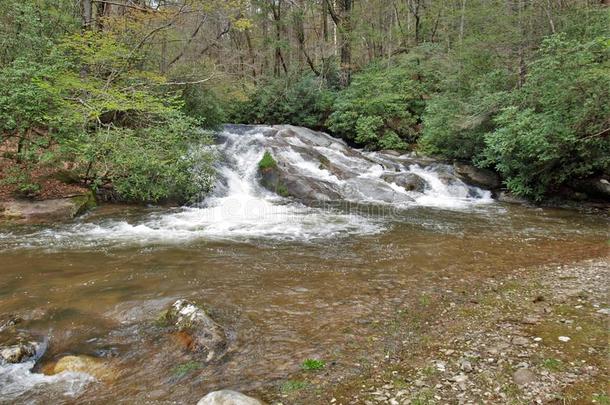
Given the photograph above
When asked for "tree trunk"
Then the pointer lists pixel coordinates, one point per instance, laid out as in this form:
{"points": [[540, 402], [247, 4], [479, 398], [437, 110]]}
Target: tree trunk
{"points": [[87, 13]]}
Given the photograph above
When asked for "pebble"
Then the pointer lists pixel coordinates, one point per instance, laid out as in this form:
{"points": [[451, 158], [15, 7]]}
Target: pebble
{"points": [[465, 365], [524, 376], [520, 341], [564, 338]]}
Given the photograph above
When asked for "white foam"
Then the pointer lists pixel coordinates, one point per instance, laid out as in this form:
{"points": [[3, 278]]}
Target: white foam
{"points": [[17, 380], [241, 209], [453, 195]]}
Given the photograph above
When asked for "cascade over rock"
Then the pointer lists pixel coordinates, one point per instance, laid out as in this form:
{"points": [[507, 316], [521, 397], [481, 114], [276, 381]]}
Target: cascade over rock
{"points": [[314, 167]]}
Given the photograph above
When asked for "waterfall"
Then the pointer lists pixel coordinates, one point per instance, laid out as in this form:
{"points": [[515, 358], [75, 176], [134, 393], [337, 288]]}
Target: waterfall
{"points": [[328, 183]]}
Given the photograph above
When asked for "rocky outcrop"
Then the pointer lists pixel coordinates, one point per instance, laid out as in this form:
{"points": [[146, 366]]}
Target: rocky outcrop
{"points": [[95, 367], [280, 180], [476, 176], [228, 397], [45, 211], [196, 331]]}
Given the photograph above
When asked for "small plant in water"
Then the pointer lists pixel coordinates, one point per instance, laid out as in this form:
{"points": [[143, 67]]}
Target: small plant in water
{"points": [[313, 364], [292, 385], [186, 368], [267, 161]]}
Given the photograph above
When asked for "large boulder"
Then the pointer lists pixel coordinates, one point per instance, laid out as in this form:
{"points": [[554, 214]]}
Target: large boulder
{"points": [[476, 176], [45, 211], [95, 367], [228, 397], [278, 179], [196, 330], [408, 181]]}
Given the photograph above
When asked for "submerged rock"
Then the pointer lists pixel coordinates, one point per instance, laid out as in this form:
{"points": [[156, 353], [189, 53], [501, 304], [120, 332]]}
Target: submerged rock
{"points": [[228, 397], [98, 368], [59, 209], [196, 330], [19, 353], [476, 176]]}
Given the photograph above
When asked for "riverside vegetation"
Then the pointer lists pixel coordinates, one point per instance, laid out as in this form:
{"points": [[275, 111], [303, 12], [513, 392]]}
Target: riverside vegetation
{"points": [[113, 95]]}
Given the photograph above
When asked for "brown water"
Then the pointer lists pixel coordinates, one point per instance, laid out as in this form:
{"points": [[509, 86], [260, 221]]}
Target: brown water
{"points": [[282, 301]]}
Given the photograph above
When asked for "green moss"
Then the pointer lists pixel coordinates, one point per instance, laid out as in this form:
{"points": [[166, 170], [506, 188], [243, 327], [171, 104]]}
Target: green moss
{"points": [[162, 320], [84, 203], [267, 162], [282, 190], [324, 162]]}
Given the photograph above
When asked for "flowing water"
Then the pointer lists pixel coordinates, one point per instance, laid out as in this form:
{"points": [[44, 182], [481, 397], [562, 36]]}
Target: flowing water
{"points": [[289, 280]]}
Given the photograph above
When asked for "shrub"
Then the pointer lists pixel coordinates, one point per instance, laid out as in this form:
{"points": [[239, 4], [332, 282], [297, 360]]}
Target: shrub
{"points": [[556, 126], [267, 161], [298, 100], [383, 106]]}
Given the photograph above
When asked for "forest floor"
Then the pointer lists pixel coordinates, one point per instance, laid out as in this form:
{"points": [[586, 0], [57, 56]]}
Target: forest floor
{"points": [[50, 186], [535, 335]]}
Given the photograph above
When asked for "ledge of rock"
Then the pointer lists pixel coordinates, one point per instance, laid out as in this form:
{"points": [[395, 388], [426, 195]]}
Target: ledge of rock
{"points": [[228, 397], [476, 176], [44, 211]]}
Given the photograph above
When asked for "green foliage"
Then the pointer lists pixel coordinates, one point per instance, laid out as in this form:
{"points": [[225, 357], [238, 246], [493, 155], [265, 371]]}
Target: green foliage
{"points": [[456, 121], [555, 128], [313, 364], [203, 105], [90, 104], [28, 27], [383, 106], [19, 177], [298, 100], [267, 161]]}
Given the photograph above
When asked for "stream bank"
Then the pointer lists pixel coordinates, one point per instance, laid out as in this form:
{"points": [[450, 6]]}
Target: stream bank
{"points": [[535, 335]]}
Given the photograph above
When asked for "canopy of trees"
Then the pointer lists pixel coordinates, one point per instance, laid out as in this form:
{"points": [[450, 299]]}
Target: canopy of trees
{"points": [[117, 91]]}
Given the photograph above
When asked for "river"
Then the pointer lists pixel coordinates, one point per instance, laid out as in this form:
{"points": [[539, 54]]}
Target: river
{"points": [[288, 281]]}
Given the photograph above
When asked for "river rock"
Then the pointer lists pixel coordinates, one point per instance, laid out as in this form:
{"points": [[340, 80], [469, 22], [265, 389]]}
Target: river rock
{"points": [[19, 353], [228, 397], [408, 181], [95, 367], [595, 187], [524, 376], [45, 211], [479, 177], [196, 330], [280, 180]]}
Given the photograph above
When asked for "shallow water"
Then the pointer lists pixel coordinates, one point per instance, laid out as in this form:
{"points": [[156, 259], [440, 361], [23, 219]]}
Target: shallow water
{"points": [[287, 281]]}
